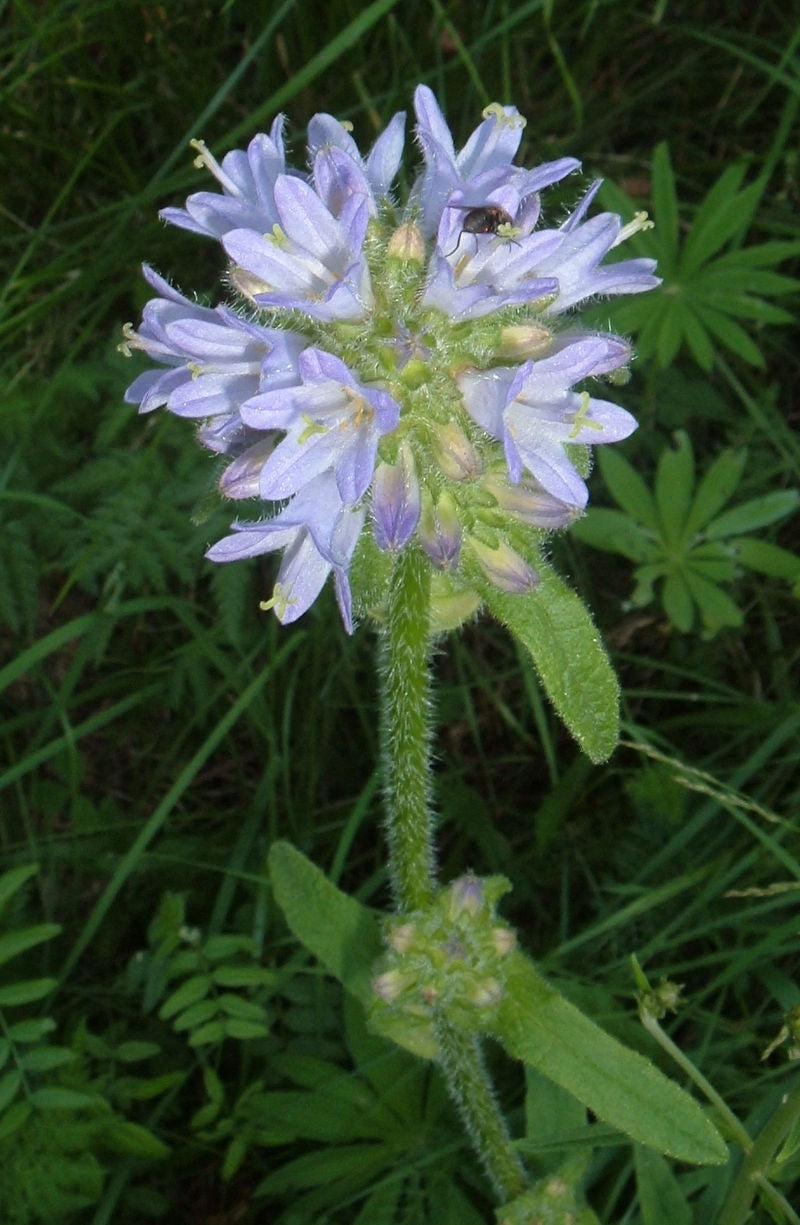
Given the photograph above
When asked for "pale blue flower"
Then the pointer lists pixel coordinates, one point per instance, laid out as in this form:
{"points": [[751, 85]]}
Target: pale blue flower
{"points": [[314, 263], [332, 422], [381, 165], [481, 167], [318, 534], [536, 413], [215, 361], [248, 182], [421, 369]]}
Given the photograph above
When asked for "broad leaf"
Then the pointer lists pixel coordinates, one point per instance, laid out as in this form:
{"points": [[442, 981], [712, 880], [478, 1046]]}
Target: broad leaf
{"points": [[621, 1087], [338, 930], [555, 626]]}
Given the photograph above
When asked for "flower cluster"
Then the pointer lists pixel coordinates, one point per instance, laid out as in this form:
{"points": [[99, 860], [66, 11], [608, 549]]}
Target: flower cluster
{"points": [[448, 960], [389, 377]]}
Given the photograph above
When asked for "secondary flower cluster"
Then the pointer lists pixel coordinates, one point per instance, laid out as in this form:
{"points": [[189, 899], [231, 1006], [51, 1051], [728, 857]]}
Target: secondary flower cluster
{"points": [[448, 960], [387, 376]]}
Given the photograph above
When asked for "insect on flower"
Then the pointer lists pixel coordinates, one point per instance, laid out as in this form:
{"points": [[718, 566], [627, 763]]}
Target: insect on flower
{"points": [[482, 219]]}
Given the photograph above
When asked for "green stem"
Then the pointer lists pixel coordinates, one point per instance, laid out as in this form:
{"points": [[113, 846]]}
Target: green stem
{"points": [[472, 1092], [758, 1153], [752, 1175], [735, 1129], [406, 732], [406, 738]]}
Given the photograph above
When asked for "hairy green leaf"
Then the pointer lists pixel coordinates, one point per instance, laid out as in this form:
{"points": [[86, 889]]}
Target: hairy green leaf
{"points": [[337, 929], [555, 626], [539, 1026]]}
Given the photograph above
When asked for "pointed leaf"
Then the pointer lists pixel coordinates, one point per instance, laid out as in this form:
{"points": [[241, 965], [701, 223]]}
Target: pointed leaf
{"points": [[9, 1084], [32, 1030], [717, 609], [677, 601], [244, 1031], [758, 512], [665, 208], [16, 942], [698, 341], [26, 992], [767, 558], [615, 532], [14, 879], [189, 992], [206, 1034], [719, 217], [627, 487], [621, 1087], [14, 1118], [329, 1164], [45, 1058], [731, 335], [337, 929], [124, 1136], [661, 1200], [716, 488], [54, 1097], [244, 976], [671, 330], [674, 486], [555, 626]]}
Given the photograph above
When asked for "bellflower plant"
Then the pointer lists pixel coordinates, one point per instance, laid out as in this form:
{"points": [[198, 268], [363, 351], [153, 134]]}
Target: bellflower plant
{"points": [[407, 392]]}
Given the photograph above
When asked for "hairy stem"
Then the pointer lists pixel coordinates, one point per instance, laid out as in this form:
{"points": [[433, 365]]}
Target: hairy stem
{"points": [[405, 712], [406, 739], [473, 1094]]}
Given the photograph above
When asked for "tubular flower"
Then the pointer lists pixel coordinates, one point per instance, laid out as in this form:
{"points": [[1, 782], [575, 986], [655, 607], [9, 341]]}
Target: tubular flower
{"points": [[389, 376]]}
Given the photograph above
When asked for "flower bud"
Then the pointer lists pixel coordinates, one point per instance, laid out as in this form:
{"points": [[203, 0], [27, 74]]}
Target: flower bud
{"points": [[486, 994], [395, 502], [503, 941], [529, 502], [455, 454], [241, 478], [466, 895], [504, 567], [391, 985], [402, 937], [440, 531], [407, 243], [522, 341]]}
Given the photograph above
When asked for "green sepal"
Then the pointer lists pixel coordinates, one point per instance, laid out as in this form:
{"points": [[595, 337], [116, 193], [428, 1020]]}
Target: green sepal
{"points": [[539, 1026], [553, 623]]}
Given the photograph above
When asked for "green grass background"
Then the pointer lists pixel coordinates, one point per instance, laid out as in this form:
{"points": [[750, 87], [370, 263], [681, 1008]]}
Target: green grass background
{"points": [[158, 732]]}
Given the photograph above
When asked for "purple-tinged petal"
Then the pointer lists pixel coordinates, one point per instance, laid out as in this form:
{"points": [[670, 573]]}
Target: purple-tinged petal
{"points": [[504, 567], [485, 395], [493, 143], [395, 502], [241, 478], [440, 531], [385, 156]]}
